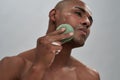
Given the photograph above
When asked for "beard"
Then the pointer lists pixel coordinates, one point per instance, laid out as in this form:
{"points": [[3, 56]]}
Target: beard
{"points": [[79, 40]]}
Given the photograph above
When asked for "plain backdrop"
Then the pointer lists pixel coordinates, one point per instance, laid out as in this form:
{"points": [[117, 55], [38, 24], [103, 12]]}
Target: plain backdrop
{"points": [[23, 21]]}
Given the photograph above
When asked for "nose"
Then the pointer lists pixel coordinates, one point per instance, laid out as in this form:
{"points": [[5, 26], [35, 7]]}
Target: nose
{"points": [[85, 22]]}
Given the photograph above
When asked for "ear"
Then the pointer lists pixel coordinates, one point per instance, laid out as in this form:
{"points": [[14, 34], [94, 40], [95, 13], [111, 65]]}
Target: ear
{"points": [[52, 14]]}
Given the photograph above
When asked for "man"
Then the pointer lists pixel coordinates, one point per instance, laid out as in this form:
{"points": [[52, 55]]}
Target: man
{"points": [[42, 62]]}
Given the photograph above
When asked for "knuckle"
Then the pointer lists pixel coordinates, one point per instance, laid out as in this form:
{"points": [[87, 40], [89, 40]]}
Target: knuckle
{"points": [[39, 40], [42, 40]]}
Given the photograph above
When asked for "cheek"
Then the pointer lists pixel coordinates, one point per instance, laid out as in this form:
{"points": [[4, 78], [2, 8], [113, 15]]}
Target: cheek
{"points": [[71, 19], [68, 18]]}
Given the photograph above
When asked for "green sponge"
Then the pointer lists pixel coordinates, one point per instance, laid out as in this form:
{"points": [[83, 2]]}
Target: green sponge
{"points": [[68, 29]]}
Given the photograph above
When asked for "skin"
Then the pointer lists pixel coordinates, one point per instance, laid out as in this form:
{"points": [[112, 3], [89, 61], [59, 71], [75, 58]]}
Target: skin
{"points": [[42, 62]]}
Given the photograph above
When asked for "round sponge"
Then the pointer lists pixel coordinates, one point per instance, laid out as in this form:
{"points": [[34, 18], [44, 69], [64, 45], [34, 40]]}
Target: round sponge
{"points": [[68, 29]]}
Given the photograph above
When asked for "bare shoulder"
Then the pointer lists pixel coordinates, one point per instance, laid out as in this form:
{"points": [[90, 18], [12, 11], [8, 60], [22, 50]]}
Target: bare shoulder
{"points": [[11, 62], [12, 67], [29, 55], [83, 71]]}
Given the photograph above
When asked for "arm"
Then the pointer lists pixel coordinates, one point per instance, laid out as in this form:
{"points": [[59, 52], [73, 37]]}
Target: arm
{"points": [[10, 68], [44, 55], [18, 68], [15, 68]]}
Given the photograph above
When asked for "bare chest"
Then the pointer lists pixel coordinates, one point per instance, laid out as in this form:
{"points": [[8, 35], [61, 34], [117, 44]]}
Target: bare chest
{"points": [[61, 74]]}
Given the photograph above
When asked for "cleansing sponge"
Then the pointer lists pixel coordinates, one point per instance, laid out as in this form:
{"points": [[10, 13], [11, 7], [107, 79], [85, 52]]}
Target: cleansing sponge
{"points": [[68, 29]]}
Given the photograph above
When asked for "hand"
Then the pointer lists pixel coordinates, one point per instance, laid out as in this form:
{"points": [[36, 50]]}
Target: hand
{"points": [[49, 45]]}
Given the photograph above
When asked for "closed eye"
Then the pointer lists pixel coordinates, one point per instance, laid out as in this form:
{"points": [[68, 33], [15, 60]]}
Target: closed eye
{"points": [[91, 19], [79, 14]]}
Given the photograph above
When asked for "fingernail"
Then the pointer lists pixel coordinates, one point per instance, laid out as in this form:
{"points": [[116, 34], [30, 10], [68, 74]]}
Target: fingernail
{"points": [[71, 33], [62, 29]]}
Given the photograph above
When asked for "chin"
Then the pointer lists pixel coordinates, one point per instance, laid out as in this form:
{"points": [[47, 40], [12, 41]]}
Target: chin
{"points": [[78, 43]]}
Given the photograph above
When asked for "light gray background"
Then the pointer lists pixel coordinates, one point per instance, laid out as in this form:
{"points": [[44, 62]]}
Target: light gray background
{"points": [[23, 21]]}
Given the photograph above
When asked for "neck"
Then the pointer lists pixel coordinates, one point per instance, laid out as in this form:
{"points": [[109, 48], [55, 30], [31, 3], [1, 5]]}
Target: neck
{"points": [[63, 58]]}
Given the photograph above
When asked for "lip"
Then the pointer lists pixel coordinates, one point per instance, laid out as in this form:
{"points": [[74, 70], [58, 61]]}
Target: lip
{"points": [[83, 31]]}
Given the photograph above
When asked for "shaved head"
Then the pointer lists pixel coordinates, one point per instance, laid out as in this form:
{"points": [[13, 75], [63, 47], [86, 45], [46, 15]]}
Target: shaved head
{"points": [[63, 3]]}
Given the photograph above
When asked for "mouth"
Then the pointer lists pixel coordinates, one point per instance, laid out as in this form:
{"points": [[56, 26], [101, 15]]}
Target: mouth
{"points": [[83, 31]]}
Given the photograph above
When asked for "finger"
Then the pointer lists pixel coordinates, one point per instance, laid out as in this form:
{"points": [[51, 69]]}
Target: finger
{"points": [[56, 43], [62, 36], [57, 32], [57, 49]]}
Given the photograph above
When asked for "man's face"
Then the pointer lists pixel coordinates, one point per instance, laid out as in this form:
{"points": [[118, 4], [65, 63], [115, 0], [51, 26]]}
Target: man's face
{"points": [[79, 17]]}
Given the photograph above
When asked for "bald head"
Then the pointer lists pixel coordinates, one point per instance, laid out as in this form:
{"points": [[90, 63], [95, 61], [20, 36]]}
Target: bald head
{"points": [[64, 3]]}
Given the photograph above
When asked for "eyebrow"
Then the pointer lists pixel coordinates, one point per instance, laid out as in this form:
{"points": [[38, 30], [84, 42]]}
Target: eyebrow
{"points": [[81, 9]]}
